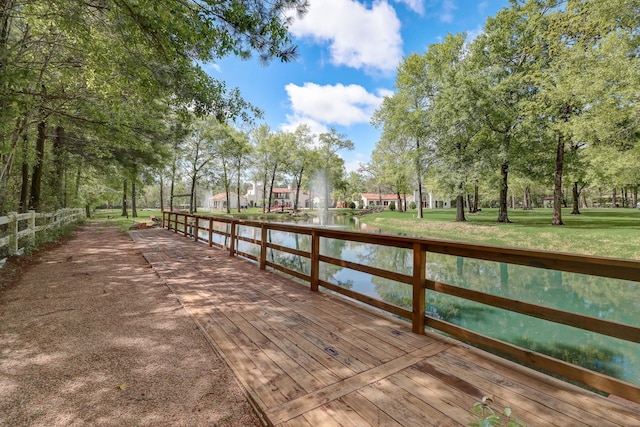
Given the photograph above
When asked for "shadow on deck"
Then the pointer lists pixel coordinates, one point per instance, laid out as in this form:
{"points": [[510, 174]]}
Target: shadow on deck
{"points": [[314, 359]]}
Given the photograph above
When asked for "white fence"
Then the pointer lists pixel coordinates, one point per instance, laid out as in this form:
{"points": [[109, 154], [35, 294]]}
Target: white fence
{"points": [[21, 229]]}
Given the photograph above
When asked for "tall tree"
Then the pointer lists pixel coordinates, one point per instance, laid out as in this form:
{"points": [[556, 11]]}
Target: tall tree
{"points": [[330, 171], [300, 160], [404, 115]]}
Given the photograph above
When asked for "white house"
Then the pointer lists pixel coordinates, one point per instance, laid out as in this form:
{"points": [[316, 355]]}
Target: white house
{"points": [[282, 196], [431, 200], [375, 199], [218, 202]]}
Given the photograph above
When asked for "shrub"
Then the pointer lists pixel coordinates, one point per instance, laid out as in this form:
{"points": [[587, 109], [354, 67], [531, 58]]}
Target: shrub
{"points": [[352, 205], [412, 205], [392, 206]]}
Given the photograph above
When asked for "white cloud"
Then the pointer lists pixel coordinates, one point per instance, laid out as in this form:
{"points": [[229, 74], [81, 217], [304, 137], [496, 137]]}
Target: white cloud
{"points": [[482, 7], [333, 104], [415, 5], [352, 166], [293, 120], [446, 13], [358, 37]]}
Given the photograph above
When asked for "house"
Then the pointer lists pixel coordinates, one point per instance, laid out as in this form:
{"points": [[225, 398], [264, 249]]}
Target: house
{"points": [[282, 196], [431, 200], [375, 199], [218, 202]]}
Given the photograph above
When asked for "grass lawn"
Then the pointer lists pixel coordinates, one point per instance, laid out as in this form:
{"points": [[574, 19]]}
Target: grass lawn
{"points": [[602, 232]]}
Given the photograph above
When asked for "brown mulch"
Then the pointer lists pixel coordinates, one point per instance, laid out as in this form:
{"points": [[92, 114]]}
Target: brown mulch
{"points": [[89, 335]]}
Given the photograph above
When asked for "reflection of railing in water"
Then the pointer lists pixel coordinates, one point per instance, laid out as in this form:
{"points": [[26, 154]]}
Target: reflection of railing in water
{"points": [[192, 226]]}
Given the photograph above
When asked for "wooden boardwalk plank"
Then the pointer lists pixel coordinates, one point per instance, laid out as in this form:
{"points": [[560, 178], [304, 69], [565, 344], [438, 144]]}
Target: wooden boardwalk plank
{"points": [[320, 397], [311, 359], [404, 407], [372, 414], [516, 396], [558, 397]]}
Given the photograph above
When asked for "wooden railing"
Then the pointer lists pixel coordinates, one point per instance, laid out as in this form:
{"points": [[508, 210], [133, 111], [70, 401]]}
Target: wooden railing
{"points": [[193, 226], [22, 228]]}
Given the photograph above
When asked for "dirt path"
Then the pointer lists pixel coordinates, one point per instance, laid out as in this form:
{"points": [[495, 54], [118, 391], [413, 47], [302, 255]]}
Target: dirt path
{"points": [[90, 336]]}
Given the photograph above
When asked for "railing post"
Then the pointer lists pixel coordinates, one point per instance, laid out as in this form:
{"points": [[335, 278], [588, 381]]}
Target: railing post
{"points": [[263, 247], [210, 232], [185, 228], [418, 283], [32, 227], [315, 261], [232, 244], [13, 232], [195, 230]]}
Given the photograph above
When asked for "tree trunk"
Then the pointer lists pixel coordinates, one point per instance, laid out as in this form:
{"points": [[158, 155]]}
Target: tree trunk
{"points": [[192, 192], [134, 203], [161, 192], [399, 197], [526, 204], [634, 197], [476, 197], [172, 186], [504, 188], [557, 188], [36, 178], [614, 198], [24, 187], [273, 180], [419, 176], [575, 192], [460, 208], [238, 189], [195, 198], [264, 192], [125, 211], [76, 190], [58, 162], [298, 185]]}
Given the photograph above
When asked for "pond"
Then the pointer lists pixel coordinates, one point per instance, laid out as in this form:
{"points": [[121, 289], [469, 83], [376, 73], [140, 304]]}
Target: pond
{"points": [[610, 299]]}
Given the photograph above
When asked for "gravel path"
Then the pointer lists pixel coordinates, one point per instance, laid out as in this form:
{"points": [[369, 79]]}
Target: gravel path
{"points": [[89, 335]]}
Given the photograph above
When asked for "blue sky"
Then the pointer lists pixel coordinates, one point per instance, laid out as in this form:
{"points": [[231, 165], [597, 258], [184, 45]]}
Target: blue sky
{"points": [[348, 54]]}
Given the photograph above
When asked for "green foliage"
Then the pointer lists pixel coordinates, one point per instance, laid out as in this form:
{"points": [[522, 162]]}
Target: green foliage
{"points": [[119, 81], [540, 83], [487, 417], [392, 206], [352, 205], [412, 205]]}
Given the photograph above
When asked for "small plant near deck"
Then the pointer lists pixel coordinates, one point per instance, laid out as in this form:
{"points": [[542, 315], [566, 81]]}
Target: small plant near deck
{"points": [[487, 417]]}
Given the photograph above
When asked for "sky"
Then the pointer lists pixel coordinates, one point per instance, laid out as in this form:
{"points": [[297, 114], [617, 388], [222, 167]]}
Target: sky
{"points": [[348, 53]]}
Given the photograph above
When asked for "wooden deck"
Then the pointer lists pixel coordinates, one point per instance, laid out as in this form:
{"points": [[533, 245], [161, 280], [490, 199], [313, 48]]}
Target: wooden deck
{"points": [[313, 359]]}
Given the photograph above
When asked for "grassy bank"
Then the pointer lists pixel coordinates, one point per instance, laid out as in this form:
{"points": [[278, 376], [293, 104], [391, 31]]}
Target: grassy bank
{"points": [[603, 232]]}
